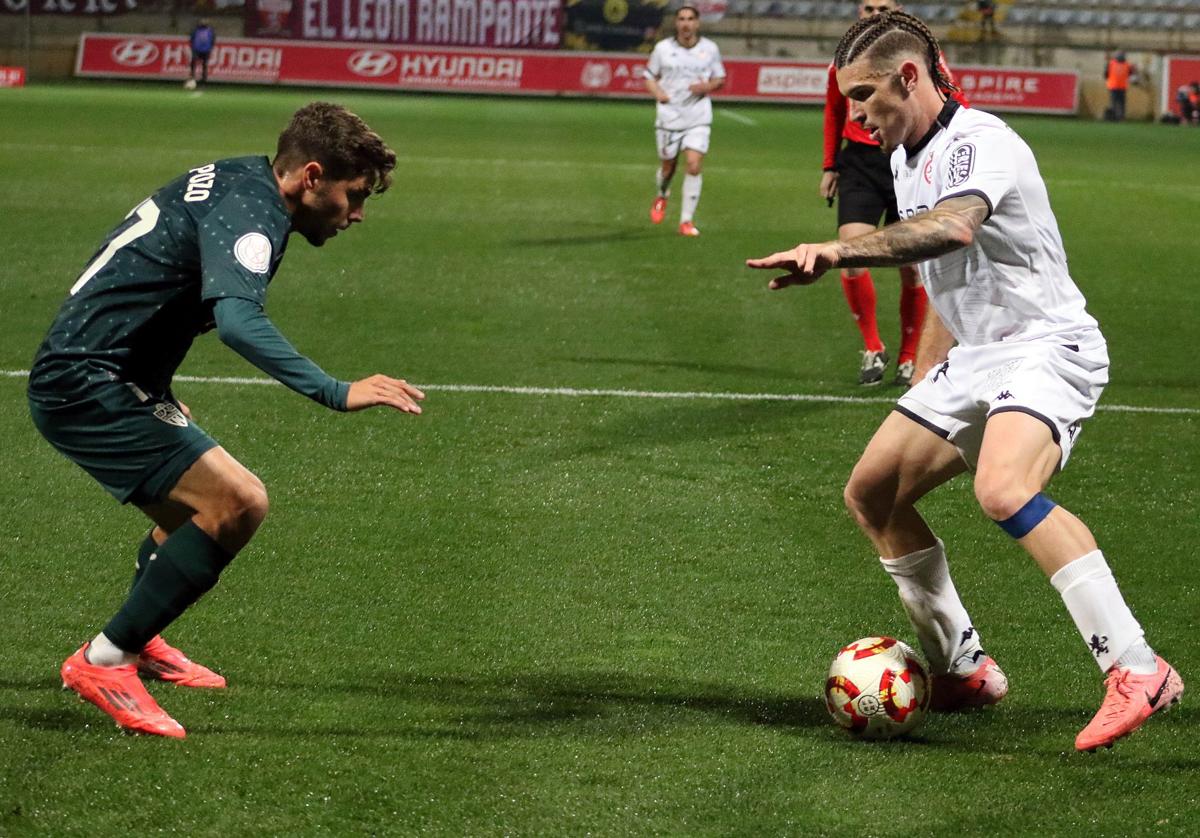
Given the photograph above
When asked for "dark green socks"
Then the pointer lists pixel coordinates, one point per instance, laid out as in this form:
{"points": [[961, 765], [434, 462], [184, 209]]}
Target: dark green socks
{"points": [[143, 559], [170, 578]]}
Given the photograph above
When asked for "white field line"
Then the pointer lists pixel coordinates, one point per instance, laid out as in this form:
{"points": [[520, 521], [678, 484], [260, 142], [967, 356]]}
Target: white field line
{"points": [[738, 117], [457, 164], [682, 395]]}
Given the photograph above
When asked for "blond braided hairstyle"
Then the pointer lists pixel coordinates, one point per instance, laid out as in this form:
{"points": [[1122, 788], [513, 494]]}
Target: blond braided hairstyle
{"points": [[886, 35]]}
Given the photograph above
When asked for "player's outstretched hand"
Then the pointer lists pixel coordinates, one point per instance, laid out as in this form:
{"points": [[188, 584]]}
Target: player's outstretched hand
{"points": [[382, 390], [804, 264]]}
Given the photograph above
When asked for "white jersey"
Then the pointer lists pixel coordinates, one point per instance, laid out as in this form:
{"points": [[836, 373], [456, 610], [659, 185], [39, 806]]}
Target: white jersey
{"points": [[1011, 283], [676, 68]]}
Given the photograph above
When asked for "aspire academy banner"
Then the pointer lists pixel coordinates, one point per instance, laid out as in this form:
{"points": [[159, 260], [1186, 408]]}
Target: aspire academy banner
{"points": [[523, 72]]}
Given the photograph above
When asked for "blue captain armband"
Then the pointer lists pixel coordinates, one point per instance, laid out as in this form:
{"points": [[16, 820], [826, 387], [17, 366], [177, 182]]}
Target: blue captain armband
{"points": [[1028, 516]]}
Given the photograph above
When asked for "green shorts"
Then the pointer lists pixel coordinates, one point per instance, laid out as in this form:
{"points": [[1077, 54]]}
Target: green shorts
{"points": [[137, 445]]}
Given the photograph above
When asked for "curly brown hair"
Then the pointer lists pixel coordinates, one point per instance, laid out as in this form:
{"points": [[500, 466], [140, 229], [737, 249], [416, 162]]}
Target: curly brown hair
{"points": [[883, 36], [340, 141]]}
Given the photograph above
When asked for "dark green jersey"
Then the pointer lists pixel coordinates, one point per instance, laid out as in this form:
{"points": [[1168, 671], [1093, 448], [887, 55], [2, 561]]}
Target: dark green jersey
{"points": [[215, 233]]}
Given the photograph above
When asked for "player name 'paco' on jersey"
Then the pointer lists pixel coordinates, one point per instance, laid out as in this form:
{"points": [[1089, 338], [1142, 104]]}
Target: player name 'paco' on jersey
{"points": [[1012, 282], [219, 230], [676, 68]]}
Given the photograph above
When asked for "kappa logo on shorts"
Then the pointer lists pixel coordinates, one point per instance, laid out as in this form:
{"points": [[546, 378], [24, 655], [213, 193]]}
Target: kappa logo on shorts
{"points": [[960, 164], [253, 251], [169, 413]]}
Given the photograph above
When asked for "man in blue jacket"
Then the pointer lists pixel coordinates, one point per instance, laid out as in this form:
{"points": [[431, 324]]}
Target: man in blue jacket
{"points": [[202, 40]]}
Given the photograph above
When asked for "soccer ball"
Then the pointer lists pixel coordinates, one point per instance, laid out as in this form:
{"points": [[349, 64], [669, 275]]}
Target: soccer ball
{"points": [[190, 84], [877, 688]]}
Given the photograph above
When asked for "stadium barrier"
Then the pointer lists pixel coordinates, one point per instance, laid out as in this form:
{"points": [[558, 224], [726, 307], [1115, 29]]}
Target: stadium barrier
{"points": [[1178, 70], [519, 72]]}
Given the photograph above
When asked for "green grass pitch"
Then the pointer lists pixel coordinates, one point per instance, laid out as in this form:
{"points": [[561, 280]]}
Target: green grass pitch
{"points": [[578, 614]]}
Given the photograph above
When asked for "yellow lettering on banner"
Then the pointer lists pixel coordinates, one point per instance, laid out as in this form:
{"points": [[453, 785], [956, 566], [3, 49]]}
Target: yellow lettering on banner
{"points": [[463, 25], [308, 19], [366, 30], [328, 30], [487, 19], [521, 22], [424, 20], [441, 21], [504, 32], [400, 15]]}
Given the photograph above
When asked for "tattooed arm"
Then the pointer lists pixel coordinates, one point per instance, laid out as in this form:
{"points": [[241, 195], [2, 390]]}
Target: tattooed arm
{"points": [[950, 225]]}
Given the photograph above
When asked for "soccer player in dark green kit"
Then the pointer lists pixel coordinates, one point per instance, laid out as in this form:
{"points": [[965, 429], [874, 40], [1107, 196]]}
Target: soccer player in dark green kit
{"points": [[198, 254]]}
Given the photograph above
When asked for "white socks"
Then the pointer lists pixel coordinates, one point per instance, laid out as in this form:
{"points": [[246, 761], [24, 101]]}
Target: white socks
{"points": [[691, 197], [1107, 625], [927, 592], [663, 185], [102, 652]]}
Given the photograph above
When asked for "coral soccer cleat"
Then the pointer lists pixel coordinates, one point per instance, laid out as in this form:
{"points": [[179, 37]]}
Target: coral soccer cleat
{"points": [[658, 210], [117, 691], [1129, 699], [986, 685], [163, 662]]}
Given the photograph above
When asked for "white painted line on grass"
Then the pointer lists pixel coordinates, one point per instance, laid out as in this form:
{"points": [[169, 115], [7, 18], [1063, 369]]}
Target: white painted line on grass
{"points": [[469, 164], [682, 395], [737, 117]]}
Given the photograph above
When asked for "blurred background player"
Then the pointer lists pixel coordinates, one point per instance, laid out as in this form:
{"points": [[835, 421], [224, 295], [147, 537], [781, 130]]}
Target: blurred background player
{"points": [[680, 75], [197, 254], [858, 175], [1006, 402], [202, 40]]}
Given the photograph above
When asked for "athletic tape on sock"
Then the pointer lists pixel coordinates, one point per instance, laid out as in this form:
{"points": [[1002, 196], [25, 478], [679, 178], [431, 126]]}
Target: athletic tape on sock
{"points": [[1028, 516]]}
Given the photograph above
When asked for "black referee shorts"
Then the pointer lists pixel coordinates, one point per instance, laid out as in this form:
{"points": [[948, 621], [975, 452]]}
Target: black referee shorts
{"points": [[865, 189]]}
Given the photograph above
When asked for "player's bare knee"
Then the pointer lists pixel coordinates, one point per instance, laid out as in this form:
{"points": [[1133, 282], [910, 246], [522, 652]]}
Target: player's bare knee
{"points": [[868, 501], [239, 512], [1000, 496], [694, 167]]}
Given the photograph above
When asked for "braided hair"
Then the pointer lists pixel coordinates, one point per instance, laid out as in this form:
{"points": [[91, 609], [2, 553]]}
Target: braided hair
{"points": [[889, 33]]}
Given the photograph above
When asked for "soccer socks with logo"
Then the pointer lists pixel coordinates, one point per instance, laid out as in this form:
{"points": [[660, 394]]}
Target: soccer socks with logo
{"points": [[101, 651], [913, 302], [184, 568], [929, 597], [1112, 633], [860, 294], [691, 197], [663, 184], [146, 550]]}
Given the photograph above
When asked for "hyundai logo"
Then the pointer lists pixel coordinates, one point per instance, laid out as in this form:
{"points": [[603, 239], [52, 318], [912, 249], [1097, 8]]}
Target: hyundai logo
{"points": [[134, 53], [371, 63]]}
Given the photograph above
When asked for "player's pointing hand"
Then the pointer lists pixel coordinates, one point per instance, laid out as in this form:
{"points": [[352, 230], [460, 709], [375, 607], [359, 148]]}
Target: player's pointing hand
{"points": [[804, 264], [382, 390]]}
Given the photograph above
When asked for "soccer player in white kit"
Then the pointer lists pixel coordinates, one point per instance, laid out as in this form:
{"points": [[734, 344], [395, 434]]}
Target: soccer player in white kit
{"points": [[1006, 402], [680, 75]]}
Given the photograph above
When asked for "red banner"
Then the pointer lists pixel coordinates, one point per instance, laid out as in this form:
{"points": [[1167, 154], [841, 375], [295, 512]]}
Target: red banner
{"points": [[529, 24], [1019, 89], [532, 72], [68, 7], [12, 76], [1178, 70]]}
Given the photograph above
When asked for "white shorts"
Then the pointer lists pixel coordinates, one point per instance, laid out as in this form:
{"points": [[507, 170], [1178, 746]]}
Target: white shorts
{"points": [[670, 142], [1056, 380]]}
